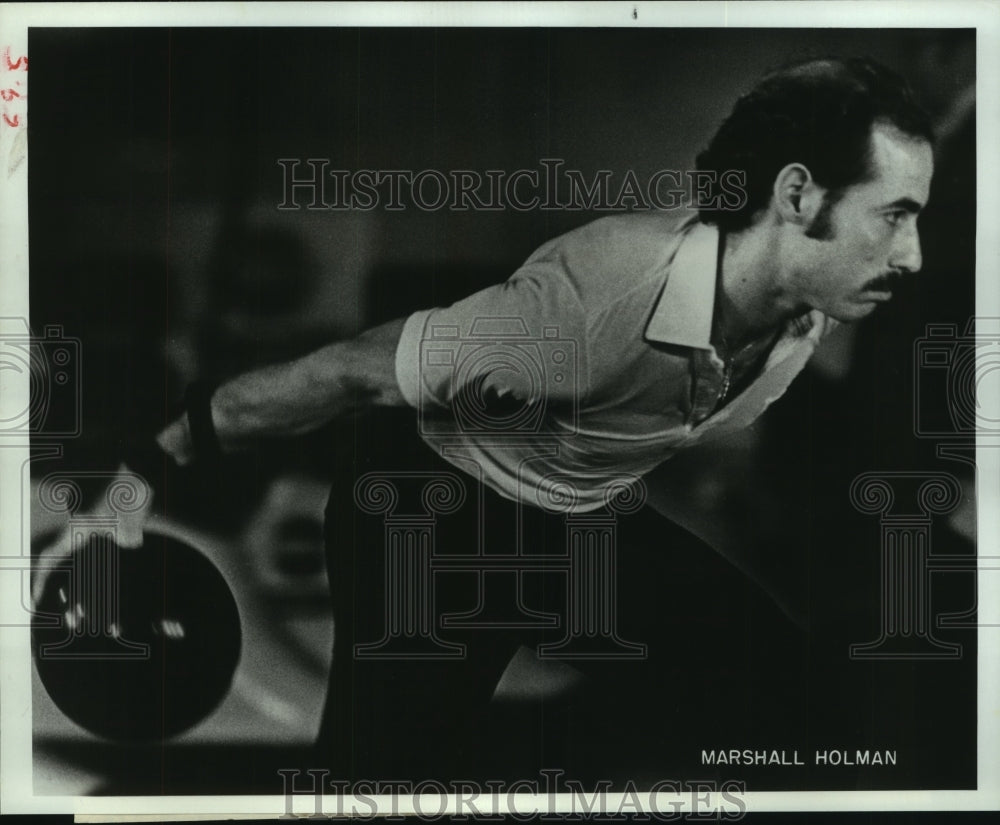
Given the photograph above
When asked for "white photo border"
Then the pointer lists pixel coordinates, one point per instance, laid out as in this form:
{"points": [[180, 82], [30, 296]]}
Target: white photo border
{"points": [[15, 19]]}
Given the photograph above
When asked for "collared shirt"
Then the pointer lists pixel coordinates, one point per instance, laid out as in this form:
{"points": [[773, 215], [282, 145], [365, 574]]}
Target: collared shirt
{"points": [[590, 366]]}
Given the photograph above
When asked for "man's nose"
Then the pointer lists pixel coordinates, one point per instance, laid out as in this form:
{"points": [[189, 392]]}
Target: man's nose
{"points": [[906, 254]]}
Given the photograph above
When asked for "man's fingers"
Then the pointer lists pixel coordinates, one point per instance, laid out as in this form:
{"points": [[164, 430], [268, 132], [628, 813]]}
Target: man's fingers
{"points": [[175, 441], [131, 523]]}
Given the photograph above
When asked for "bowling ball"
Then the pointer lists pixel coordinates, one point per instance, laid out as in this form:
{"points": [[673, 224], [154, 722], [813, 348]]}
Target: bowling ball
{"points": [[136, 644]]}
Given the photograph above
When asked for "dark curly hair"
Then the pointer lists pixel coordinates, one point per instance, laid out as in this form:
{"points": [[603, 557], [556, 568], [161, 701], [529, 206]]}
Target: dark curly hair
{"points": [[818, 113]]}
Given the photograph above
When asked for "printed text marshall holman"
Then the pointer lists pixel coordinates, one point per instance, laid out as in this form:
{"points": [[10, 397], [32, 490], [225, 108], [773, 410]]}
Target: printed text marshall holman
{"points": [[749, 756]]}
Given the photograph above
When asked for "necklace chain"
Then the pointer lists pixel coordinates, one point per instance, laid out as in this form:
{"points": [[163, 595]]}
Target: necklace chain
{"points": [[727, 376], [729, 364]]}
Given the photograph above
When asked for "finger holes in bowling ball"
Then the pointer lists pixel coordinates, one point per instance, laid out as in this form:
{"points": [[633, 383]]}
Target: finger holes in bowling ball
{"points": [[148, 641]]}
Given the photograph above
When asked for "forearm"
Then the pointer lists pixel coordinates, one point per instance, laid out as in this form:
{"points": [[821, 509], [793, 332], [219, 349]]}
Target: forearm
{"points": [[301, 395], [285, 399]]}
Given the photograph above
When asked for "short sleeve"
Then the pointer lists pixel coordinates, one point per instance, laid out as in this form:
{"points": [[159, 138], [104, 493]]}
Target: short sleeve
{"points": [[522, 340], [408, 356]]}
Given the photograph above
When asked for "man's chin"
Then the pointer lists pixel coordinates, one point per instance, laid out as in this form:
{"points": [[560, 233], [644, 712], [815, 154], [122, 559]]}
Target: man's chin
{"points": [[854, 311]]}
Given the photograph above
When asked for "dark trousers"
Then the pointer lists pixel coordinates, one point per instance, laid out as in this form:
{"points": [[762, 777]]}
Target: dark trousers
{"points": [[395, 712]]}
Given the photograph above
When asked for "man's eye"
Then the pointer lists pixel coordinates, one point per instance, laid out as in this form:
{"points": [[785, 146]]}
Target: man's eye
{"points": [[896, 217]]}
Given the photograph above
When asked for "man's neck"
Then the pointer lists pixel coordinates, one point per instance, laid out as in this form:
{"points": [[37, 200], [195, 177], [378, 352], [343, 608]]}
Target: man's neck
{"points": [[750, 303]]}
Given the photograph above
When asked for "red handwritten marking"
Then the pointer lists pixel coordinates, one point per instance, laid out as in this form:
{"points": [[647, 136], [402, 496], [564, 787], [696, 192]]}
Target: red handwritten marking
{"points": [[16, 64], [9, 94]]}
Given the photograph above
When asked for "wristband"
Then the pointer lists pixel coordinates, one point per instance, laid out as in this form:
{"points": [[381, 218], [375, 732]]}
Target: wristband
{"points": [[204, 439]]}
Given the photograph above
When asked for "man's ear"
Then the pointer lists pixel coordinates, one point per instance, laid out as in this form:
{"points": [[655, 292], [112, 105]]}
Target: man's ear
{"points": [[796, 197]]}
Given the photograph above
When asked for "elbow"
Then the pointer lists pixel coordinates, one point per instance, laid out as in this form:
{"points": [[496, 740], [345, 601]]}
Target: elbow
{"points": [[368, 376]]}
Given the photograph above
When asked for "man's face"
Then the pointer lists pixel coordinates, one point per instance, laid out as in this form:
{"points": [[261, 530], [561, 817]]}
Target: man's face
{"points": [[859, 245]]}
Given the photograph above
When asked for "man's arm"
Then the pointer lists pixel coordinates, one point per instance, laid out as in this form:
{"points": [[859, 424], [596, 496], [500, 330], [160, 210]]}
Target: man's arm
{"points": [[299, 396]]}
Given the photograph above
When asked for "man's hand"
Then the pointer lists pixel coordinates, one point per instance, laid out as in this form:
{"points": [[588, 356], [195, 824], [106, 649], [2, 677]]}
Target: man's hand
{"points": [[299, 396], [175, 441]]}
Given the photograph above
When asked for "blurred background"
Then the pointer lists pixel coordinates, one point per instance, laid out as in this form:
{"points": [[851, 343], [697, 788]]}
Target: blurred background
{"points": [[155, 239]]}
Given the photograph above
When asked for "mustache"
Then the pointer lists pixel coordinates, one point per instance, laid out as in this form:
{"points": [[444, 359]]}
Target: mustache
{"points": [[885, 282]]}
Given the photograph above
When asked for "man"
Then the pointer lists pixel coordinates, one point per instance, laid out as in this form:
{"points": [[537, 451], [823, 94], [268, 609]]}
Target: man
{"points": [[613, 347]]}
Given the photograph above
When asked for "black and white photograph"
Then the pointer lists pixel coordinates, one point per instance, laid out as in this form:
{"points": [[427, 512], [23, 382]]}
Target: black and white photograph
{"points": [[590, 408]]}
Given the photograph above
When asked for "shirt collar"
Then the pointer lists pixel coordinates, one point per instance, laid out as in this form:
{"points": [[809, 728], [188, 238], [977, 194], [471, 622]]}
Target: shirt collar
{"points": [[683, 312]]}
